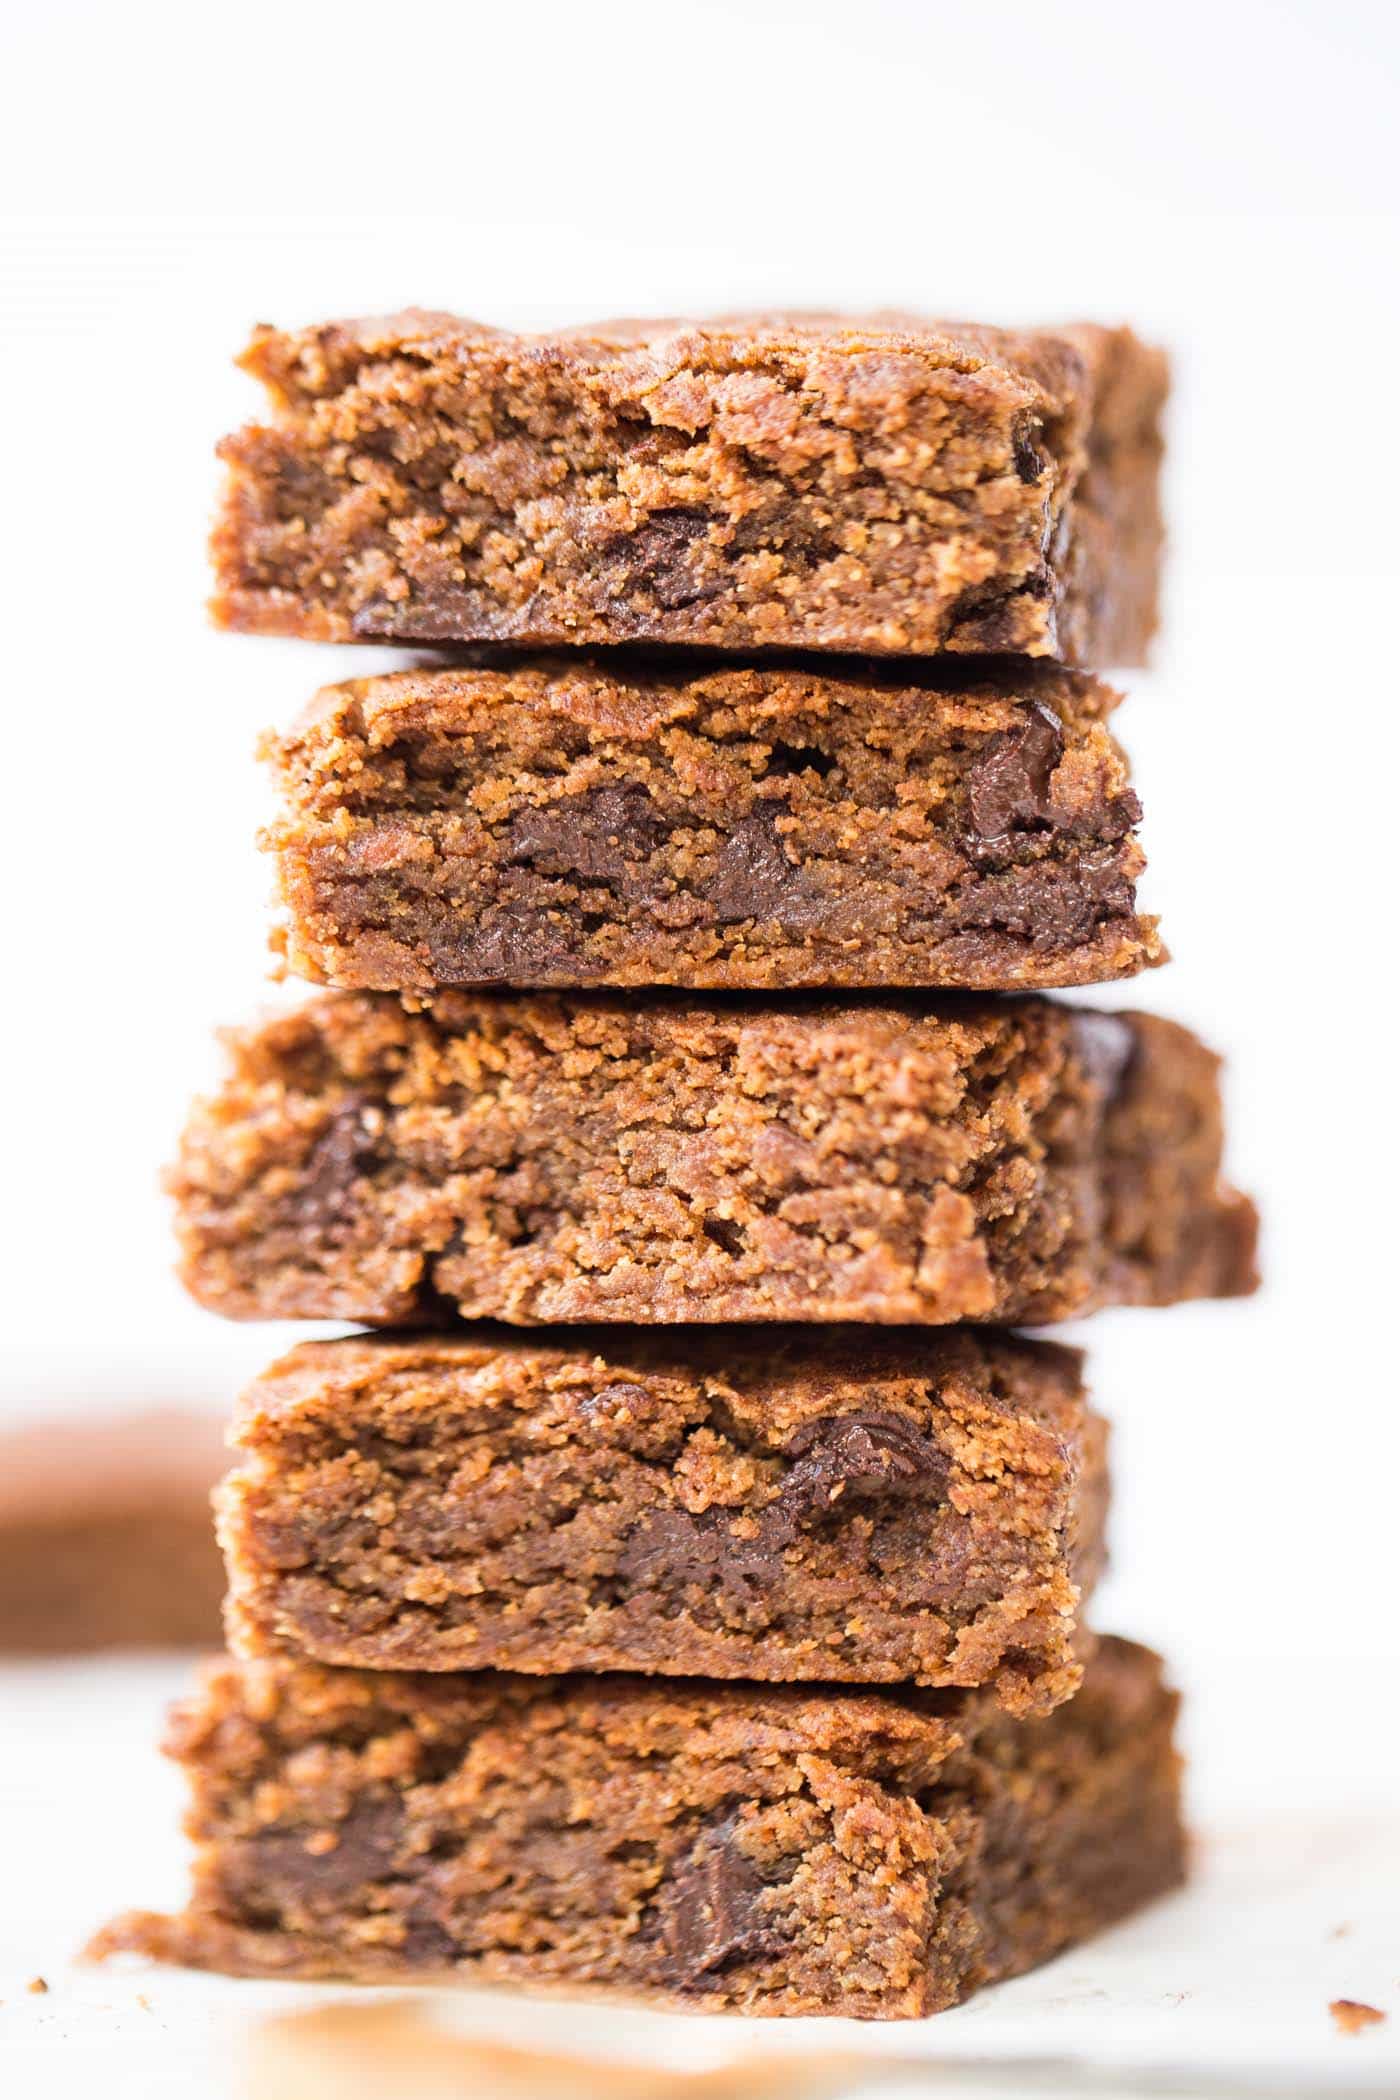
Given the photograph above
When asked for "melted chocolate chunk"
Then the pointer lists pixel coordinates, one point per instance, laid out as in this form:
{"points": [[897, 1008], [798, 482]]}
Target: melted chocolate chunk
{"points": [[873, 1453], [287, 1545], [518, 945], [366, 1842], [710, 1915], [347, 1149], [990, 617], [754, 879], [1008, 788], [674, 1548], [658, 558], [1051, 906], [437, 615], [601, 835]]}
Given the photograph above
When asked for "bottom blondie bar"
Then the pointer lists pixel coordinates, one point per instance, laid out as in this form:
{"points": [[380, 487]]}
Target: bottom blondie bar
{"points": [[736, 1847]]}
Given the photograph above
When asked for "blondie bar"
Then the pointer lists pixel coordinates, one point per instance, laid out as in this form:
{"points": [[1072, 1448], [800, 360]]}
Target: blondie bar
{"points": [[105, 1537], [788, 1504], [536, 1159], [574, 822], [890, 486], [735, 1847]]}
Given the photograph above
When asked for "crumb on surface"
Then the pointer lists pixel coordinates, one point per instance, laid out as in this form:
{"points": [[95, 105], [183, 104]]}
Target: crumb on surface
{"points": [[37, 1987], [1352, 2016]]}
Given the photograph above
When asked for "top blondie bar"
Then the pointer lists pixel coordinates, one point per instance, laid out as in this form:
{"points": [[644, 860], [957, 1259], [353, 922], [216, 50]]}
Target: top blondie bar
{"points": [[886, 486]]}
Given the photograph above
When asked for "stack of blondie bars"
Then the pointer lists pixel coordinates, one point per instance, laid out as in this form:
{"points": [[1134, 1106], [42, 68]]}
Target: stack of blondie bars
{"points": [[684, 1592]]}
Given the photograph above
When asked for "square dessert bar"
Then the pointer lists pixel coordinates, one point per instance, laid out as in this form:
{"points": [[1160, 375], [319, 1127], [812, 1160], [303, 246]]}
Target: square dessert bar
{"points": [[870, 1508], [733, 1847], [536, 1158], [574, 822], [890, 486], [105, 1536]]}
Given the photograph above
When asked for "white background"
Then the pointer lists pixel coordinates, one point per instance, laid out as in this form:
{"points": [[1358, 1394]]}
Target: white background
{"points": [[1223, 176]]}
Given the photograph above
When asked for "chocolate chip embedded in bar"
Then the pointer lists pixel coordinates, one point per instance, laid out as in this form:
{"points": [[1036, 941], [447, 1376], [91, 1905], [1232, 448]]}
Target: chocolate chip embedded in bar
{"points": [[888, 486], [540, 1158], [784, 1505], [712, 1910], [730, 1847], [566, 822]]}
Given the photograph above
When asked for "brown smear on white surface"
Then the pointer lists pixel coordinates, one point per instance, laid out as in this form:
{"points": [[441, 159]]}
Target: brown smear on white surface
{"points": [[368, 2052]]}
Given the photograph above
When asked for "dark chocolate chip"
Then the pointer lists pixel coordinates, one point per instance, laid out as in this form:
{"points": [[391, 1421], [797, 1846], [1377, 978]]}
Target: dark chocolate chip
{"points": [[276, 1865], [1054, 904], [347, 1149], [1030, 461], [659, 557], [601, 835], [1008, 786], [873, 1453], [517, 945], [710, 1913], [754, 879]]}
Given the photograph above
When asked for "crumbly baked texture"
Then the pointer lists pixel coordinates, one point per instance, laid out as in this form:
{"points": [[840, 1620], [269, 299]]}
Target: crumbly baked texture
{"points": [[902, 1506], [105, 1533], [890, 485], [743, 1848], [535, 1158], [567, 822]]}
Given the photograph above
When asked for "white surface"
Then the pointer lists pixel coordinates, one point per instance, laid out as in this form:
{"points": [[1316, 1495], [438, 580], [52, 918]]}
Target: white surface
{"points": [[1296, 1901], [1226, 177]]}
